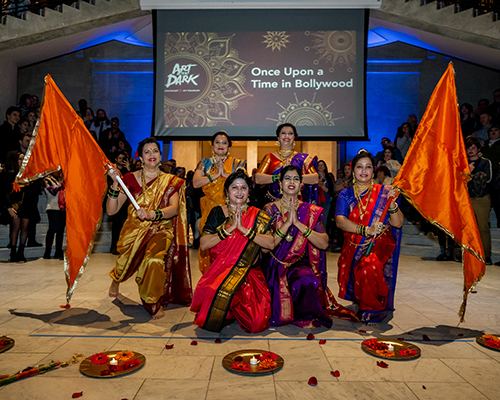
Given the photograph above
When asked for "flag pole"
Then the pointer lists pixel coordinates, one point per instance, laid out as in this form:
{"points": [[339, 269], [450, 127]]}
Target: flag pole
{"points": [[125, 189], [382, 217]]}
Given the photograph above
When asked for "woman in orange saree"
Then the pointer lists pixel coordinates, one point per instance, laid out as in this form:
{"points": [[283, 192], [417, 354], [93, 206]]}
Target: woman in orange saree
{"points": [[153, 240], [211, 173], [369, 281], [234, 287]]}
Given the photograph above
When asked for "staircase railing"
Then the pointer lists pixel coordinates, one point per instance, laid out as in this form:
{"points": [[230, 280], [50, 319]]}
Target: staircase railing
{"points": [[478, 7], [19, 8]]}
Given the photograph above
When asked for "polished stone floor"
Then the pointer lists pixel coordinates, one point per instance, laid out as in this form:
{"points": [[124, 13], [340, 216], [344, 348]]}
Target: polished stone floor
{"points": [[452, 365]]}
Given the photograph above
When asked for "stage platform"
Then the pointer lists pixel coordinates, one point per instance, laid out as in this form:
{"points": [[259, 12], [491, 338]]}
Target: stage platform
{"points": [[428, 296]]}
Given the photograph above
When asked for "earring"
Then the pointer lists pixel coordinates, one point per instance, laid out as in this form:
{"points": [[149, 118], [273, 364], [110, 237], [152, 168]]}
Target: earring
{"points": [[353, 179], [227, 201], [248, 200], [228, 152], [281, 190]]}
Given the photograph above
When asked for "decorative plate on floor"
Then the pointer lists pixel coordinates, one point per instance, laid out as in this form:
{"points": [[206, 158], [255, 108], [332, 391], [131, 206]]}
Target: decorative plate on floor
{"points": [[109, 364], [391, 349], [267, 363], [490, 341], [6, 343]]}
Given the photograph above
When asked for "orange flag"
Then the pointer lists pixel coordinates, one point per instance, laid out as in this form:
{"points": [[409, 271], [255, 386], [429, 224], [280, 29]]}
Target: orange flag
{"points": [[434, 178], [62, 142]]}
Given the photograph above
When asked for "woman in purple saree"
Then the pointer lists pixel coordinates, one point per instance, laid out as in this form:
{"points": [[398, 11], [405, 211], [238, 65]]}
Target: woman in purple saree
{"points": [[296, 269]]}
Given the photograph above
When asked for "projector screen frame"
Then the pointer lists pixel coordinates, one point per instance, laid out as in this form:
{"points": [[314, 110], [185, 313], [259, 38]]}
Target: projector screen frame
{"points": [[204, 132]]}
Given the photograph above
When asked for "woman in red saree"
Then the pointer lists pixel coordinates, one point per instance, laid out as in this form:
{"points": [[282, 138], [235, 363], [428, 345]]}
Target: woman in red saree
{"points": [[273, 163], [296, 269], [368, 281], [153, 240], [234, 287]]}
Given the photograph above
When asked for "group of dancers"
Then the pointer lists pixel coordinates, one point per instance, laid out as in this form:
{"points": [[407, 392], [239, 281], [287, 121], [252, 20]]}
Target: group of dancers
{"points": [[260, 267]]}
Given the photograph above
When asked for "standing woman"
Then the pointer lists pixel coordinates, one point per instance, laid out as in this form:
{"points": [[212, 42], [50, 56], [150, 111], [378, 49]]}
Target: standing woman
{"points": [[234, 286], [296, 269], [153, 240], [273, 163], [16, 207], [368, 281], [210, 174]]}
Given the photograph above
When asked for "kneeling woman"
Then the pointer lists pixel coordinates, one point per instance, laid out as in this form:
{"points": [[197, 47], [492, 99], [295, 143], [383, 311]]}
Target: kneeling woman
{"points": [[153, 240], [296, 268], [368, 281], [234, 287]]}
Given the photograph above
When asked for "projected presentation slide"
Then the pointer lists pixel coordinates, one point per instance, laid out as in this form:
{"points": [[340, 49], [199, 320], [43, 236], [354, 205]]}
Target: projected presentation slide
{"points": [[247, 71]]}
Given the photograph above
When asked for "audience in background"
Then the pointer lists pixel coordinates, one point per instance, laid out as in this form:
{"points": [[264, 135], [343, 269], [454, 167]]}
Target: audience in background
{"points": [[9, 132]]}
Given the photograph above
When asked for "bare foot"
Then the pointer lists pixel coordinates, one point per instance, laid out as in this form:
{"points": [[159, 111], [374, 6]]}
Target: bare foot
{"points": [[113, 289], [160, 314]]}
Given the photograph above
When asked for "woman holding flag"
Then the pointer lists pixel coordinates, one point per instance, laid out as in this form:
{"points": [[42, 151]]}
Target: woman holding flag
{"points": [[368, 280], [153, 240]]}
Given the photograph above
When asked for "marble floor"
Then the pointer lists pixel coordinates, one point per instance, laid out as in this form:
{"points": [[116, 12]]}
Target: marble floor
{"points": [[428, 296]]}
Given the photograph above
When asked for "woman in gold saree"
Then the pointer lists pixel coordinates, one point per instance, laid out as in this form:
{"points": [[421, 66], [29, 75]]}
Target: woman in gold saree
{"points": [[211, 173], [153, 240]]}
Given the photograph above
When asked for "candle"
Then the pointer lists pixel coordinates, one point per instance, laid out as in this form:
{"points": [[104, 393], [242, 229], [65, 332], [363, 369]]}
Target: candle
{"points": [[254, 361], [390, 347], [113, 362]]}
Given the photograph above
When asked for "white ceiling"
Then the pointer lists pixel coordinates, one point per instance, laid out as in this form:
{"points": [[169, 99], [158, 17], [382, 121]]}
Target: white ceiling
{"points": [[139, 31]]}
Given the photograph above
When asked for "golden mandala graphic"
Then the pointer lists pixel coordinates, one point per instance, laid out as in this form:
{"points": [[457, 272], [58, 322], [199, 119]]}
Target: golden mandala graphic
{"points": [[306, 113], [224, 80], [276, 39], [334, 47]]}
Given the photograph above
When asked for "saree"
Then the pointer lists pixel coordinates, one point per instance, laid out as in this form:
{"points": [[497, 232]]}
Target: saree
{"points": [[297, 276], [156, 250], [214, 196], [273, 165], [234, 286], [368, 281]]}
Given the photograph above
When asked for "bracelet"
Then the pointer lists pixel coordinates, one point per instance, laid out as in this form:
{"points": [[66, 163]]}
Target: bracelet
{"points": [[112, 193], [158, 215], [221, 233], [393, 210], [210, 178], [275, 178], [361, 230], [280, 234], [307, 232], [251, 234]]}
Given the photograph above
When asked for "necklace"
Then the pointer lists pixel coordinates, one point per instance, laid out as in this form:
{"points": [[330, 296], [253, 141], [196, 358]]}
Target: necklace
{"points": [[285, 206], [231, 209], [285, 155], [153, 174], [358, 191]]}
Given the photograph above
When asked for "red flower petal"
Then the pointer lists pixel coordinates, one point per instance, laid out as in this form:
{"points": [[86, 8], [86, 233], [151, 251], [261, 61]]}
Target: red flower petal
{"points": [[423, 387], [362, 331], [460, 334], [194, 343], [312, 381], [474, 291], [426, 338], [382, 364], [401, 338], [169, 346], [336, 374], [238, 358], [322, 341], [310, 336], [218, 340], [409, 333], [65, 306], [77, 394]]}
